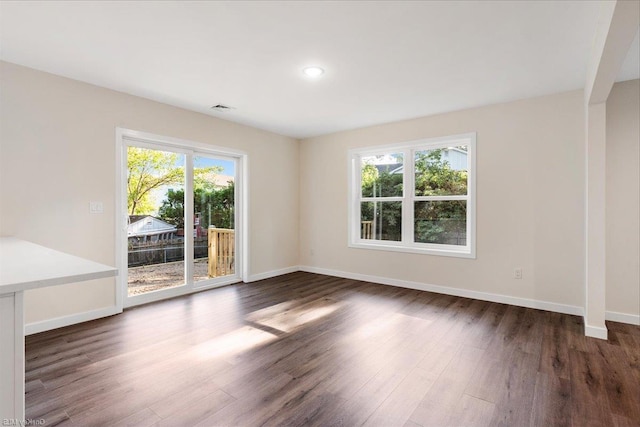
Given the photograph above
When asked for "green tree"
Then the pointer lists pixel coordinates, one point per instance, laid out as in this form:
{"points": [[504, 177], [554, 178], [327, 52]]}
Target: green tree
{"points": [[148, 170], [204, 178], [172, 208], [215, 206], [442, 222], [370, 175], [435, 177], [386, 215]]}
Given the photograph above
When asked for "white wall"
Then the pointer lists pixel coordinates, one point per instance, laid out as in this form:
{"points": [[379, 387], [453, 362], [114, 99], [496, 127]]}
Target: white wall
{"points": [[623, 199], [530, 192], [57, 152]]}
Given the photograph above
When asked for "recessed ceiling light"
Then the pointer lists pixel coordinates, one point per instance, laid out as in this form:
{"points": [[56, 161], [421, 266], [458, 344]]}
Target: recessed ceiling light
{"points": [[313, 72]]}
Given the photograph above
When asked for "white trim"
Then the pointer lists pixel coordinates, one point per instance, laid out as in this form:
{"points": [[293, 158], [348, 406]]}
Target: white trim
{"points": [[408, 190], [444, 250], [126, 138], [408, 149], [60, 322], [437, 198], [178, 291], [465, 293], [472, 191], [242, 232], [189, 211], [272, 273], [436, 142], [631, 319], [595, 331], [382, 199], [120, 223], [171, 142]]}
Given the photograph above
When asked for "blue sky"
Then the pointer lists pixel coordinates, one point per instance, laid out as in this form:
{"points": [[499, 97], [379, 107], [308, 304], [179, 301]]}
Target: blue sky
{"points": [[206, 162], [228, 166]]}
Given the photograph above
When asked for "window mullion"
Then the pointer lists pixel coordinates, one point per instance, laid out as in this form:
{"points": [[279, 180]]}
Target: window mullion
{"points": [[356, 197], [440, 198], [380, 199], [188, 221], [408, 193]]}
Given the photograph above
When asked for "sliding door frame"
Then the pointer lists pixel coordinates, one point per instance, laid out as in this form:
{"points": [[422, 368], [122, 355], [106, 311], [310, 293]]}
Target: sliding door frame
{"points": [[128, 137]]}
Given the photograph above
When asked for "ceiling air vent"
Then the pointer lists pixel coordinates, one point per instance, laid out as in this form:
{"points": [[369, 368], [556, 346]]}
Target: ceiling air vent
{"points": [[220, 107]]}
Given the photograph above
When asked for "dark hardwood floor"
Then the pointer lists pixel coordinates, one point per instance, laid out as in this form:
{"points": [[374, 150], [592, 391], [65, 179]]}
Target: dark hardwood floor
{"points": [[306, 349]]}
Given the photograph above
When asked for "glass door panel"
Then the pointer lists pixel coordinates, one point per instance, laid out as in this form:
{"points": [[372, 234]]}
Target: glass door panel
{"points": [[155, 230], [214, 218]]}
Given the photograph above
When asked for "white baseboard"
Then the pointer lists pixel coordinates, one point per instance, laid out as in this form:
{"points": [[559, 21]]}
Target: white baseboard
{"points": [[592, 331], [631, 319], [272, 273], [595, 331], [484, 296], [59, 322]]}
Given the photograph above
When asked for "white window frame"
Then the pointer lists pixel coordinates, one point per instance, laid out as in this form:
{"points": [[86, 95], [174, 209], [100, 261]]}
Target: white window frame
{"points": [[408, 149], [128, 137]]}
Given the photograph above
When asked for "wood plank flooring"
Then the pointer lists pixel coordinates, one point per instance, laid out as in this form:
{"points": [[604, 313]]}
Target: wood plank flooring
{"points": [[307, 349]]}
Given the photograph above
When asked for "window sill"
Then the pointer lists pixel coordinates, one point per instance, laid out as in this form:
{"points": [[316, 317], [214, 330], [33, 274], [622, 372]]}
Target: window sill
{"points": [[464, 252]]}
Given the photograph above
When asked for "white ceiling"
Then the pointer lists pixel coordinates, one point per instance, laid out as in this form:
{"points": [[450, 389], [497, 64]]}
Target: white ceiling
{"points": [[384, 61]]}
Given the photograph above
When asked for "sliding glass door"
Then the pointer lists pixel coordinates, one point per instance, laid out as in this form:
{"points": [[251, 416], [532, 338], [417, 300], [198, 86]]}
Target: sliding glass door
{"points": [[155, 231], [214, 218], [181, 211]]}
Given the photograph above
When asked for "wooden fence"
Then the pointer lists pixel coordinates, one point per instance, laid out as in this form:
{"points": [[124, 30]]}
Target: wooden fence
{"points": [[221, 252], [367, 230], [164, 251]]}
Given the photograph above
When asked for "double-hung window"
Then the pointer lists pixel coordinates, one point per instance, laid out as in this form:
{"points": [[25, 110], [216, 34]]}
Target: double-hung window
{"points": [[414, 197]]}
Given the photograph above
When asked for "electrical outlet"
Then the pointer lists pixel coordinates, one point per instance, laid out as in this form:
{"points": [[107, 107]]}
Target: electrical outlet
{"points": [[517, 273]]}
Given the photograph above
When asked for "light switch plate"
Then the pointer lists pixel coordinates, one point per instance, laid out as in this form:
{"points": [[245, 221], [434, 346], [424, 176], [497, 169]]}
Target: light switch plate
{"points": [[96, 207]]}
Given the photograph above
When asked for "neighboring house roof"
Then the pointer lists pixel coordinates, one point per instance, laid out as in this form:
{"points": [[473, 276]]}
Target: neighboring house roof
{"points": [[389, 167], [146, 225], [136, 218]]}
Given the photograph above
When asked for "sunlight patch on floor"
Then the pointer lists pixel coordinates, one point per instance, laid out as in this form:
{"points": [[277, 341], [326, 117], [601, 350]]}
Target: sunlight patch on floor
{"points": [[233, 343], [286, 317], [383, 326]]}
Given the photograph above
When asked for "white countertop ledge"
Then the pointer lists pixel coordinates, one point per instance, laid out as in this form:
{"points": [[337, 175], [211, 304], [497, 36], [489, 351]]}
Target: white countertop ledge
{"points": [[25, 265]]}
